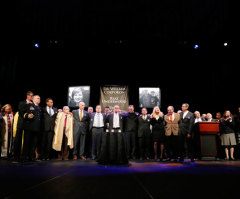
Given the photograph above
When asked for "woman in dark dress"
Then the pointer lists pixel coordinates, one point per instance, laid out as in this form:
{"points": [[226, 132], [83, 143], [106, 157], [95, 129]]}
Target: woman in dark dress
{"points": [[158, 131], [113, 146]]}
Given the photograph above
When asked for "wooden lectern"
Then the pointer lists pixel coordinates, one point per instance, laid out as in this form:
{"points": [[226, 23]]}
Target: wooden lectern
{"points": [[208, 139]]}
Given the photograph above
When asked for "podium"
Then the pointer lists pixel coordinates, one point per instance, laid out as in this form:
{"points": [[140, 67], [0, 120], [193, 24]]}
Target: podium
{"points": [[208, 139]]}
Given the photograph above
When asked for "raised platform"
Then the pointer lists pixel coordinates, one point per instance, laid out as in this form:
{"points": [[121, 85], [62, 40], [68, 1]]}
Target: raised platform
{"points": [[87, 179]]}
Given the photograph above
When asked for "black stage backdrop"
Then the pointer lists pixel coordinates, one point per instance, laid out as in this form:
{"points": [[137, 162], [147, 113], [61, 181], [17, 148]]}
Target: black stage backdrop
{"points": [[134, 43]]}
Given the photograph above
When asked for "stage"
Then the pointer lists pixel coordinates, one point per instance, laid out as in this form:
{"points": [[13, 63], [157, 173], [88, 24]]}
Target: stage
{"points": [[149, 179]]}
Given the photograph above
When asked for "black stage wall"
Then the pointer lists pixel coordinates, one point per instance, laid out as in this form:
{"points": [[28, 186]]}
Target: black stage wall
{"points": [[135, 43]]}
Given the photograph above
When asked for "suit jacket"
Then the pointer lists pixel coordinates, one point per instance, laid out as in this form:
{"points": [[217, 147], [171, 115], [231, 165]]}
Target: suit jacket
{"points": [[92, 120], [172, 127], [49, 121], [109, 120], [33, 124], [80, 126], [131, 122], [143, 126], [186, 124]]}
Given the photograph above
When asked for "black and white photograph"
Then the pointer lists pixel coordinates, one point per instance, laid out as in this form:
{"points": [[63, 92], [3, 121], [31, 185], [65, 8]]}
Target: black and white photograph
{"points": [[149, 97], [77, 94]]}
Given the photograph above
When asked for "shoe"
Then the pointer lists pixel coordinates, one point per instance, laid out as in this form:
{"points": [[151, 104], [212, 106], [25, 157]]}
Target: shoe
{"points": [[232, 159], [83, 158], [226, 158], [75, 158], [147, 158]]}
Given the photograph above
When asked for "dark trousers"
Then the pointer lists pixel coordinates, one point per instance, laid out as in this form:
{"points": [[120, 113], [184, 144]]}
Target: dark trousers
{"points": [[144, 146], [185, 146], [30, 144], [79, 144], [18, 144], [64, 153], [172, 146], [46, 148], [131, 143], [96, 140], [88, 144]]}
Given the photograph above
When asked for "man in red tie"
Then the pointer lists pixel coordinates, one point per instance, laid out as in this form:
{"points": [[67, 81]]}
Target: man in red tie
{"points": [[172, 127]]}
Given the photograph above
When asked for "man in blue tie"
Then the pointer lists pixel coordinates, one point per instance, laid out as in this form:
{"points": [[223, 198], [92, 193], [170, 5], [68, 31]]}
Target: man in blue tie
{"points": [[49, 117]]}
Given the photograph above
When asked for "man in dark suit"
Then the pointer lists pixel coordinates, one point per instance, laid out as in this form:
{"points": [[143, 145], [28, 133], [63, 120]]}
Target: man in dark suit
{"points": [[32, 115], [186, 123], [80, 129], [49, 115], [144, 133], [96, 128], [131, 124], [19, 133]]}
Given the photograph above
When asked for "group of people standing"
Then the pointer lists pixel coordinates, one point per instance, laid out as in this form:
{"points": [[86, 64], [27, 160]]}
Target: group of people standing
{"points": [[34, 133]]}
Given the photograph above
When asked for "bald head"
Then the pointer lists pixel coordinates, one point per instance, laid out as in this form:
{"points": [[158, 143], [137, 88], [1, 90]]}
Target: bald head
{"points": [[116, 109]]}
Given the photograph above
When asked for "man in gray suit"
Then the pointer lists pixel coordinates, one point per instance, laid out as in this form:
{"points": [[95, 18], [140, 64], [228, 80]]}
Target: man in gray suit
{"points": [[80, 129]]}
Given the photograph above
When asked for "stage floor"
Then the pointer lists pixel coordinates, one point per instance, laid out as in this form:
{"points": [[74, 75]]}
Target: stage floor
{"points": [[87, 179]]}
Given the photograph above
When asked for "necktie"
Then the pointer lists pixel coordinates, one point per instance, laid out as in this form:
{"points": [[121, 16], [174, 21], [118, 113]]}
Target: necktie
{"points": [[9, 123], [50, 111], [170, 118], [80, 115], [65, 122]]}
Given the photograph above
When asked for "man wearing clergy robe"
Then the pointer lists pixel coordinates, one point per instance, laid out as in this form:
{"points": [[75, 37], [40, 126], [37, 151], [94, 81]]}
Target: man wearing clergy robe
{"points": [[63, 136], [49, 116], [6, 135], [80, 129], [172, 128], [144, 133], [96, 127]]}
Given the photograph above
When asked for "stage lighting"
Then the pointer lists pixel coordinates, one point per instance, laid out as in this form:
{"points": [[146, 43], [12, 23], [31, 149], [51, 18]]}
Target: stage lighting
{"points": [[225, 44], [196, 46], [36, 45]]}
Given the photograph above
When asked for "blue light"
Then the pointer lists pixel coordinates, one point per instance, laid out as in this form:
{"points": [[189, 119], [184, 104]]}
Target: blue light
{"points": [[196, 46], [36, 45]]}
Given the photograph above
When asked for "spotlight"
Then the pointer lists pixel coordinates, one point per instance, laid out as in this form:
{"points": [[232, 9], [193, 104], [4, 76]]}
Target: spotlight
{"points": [[196, 46], [225, 44], [36, 45]]}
